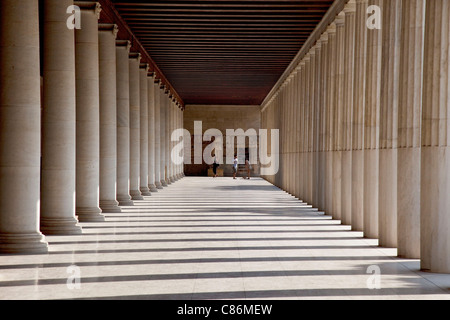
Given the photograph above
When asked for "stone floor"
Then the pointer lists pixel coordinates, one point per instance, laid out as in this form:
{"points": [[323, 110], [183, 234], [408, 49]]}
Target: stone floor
{"points": [[205, 238]]}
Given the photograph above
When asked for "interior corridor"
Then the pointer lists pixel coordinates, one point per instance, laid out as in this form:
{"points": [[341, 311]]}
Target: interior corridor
{"points": [[206, 238]]}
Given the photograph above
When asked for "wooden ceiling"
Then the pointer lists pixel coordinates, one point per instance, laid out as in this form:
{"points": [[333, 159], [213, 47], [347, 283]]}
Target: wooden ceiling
{"points": [[222, 51]]}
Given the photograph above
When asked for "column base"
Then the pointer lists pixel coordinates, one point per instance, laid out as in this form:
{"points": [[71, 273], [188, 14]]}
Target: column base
{"points": [[164, 183], [124, 200], [136, 195], [145, 191], [152, 188], [60, 226], [110, 206], [27, 243], [91, 214], [158, 185]]}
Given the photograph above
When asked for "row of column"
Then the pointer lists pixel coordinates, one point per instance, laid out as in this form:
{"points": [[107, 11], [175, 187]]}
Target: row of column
{"points": [[364, 130], [104, 137]]}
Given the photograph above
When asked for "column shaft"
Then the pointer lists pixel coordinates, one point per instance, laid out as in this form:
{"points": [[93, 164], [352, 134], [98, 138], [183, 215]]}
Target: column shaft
{"points": [[435, 159], [123, 123], [143, 138], [151, 135], [359, 102], [88, 115], [58, 123], [134, 84], [387, 200], [108, 118], [20, 109], [409, 129]]}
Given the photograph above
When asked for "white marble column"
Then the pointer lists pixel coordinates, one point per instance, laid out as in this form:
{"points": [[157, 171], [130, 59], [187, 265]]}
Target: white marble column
{"points": [[58, 123], [315, 164], [314, 61], [435, 164], [151, 133], [143, 137], [123, 123], [372, 130], [19, 109], [157, 101], [387, 194], [108, 117], [135, 60], [322, 121], [409, 129], [359, 102], [338, 116], [162, 118], [347, 113], [88, 114], [329, 124]]}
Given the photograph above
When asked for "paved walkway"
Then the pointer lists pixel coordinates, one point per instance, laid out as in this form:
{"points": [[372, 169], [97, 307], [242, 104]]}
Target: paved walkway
{"points": [[205, 238]]}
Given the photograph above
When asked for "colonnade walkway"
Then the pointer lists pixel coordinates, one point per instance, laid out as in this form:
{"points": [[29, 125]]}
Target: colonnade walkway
{"points": [[217, 238]]}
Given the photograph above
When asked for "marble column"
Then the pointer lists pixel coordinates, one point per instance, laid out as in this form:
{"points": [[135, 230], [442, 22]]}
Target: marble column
{"points": [[314, 61], [329, 125], [322, 122], [338, 116], [301, 107], [162, 115], [151, 134], [143, 137], [372, 130], [108, 117], [359, 102], [435, 164], [315, 168], [409, 129], [347, 113], [58, 123], [88, 114], [123, 123], [387, 194], [19, 109], [169, 142], [135, 60], [157, 102]]}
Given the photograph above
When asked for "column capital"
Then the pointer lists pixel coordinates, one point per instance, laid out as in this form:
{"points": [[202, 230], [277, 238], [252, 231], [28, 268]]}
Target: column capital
{"points": [[350, 7], [109, 27], [340, 19], [144, 66], [332, 28], [90, 5], [124, 43], [135, 55]]}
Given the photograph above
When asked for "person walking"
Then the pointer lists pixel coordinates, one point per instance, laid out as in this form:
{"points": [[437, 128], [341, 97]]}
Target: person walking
{"points": [[215, 166], [235, 166], [248, 167]]}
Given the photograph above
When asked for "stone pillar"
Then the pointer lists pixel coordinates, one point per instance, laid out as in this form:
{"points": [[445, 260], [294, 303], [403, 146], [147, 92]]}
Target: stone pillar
{"points": [[314, 167], [108, 118], [88, 114], [157, 136], [322, 121], [338, 117], [409, 129], [314, 60], [163, 111], [151, 134], [347, 113], [372, 130], [359, 102], [19, 109], [387, 194], [134, 62], [123, 123], [58, 123], [435, 164], [143, 117], [329, 124], [168, 142]]}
